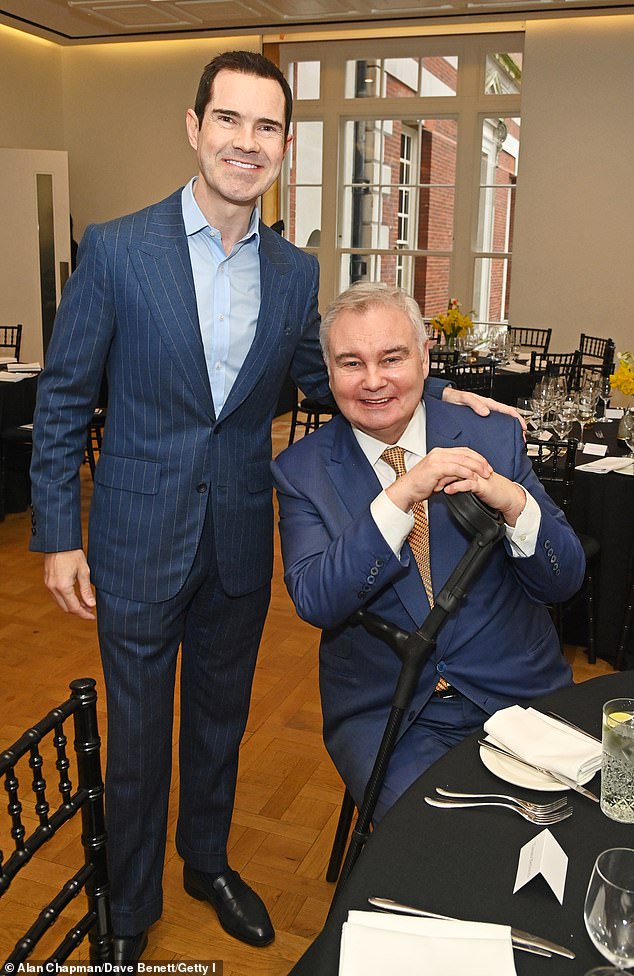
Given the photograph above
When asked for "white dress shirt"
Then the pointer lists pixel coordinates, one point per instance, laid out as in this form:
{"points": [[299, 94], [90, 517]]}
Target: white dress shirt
{"points": [[395, 525]]}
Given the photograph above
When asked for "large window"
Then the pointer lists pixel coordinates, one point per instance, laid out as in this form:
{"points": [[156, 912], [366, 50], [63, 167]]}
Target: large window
{"points": [[410, 174]]}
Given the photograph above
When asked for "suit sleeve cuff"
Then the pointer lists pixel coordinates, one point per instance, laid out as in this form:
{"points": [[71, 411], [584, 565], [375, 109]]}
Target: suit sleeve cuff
{"points": [[522, 537], [392, 522]]}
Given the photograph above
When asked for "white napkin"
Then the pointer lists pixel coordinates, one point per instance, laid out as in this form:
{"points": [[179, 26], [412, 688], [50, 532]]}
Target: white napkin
{"points": [[375, 943], [544, 741], [514, 367], [605, 464]]}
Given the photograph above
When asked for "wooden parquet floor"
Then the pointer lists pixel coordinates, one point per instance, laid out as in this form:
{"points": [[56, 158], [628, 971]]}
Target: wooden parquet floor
{"points": [[288, 794]]}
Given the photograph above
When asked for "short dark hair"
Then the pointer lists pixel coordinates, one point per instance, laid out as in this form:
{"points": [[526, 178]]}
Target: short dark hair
{"points": [[246, 63]]}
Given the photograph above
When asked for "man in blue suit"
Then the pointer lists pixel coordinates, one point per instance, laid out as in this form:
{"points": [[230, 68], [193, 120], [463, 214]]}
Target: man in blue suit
{"points": [[346, 513], [196, 311]]}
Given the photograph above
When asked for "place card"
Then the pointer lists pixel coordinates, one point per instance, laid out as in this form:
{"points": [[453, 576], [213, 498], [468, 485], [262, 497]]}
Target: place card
{"points": [[543, 855], [599, 449], [613, 413]]}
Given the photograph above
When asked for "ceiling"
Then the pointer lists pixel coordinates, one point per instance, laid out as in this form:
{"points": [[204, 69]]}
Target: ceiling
{"points": [[72, 21]]}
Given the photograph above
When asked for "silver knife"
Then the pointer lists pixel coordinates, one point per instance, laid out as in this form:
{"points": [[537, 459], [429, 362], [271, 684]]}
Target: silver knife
{"points": [[521, 940], [558, 777]]}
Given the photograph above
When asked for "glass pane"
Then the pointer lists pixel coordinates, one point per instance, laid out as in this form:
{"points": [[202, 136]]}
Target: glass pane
{"points": [[491, 289], [426, 278], [304, 184], [306, 147], [498, 179], [503, 74], [304, 77], [305, 216], [401, 77], [399, 184]]}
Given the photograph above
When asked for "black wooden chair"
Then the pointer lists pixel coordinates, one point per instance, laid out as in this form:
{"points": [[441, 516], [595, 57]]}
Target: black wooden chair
{"points": [[309, 414], [27, 756], [556, 364], [10, 340], [554, 464], [474, 377], [441, 359], [595, 351], [537, 339]]}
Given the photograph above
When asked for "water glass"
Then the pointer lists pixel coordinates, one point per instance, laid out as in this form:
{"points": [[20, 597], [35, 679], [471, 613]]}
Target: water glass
{"points": [[609, 909], [617, 760], [628, 430]]}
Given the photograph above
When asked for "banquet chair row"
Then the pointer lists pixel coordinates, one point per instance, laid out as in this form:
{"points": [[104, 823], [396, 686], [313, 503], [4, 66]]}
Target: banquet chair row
{"points": [[554, 464], [36, 818], [11, 340]]}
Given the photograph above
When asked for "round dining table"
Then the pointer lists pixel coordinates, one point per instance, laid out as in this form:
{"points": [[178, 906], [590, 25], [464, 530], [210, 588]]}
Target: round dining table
{"points": [[463, 862]]}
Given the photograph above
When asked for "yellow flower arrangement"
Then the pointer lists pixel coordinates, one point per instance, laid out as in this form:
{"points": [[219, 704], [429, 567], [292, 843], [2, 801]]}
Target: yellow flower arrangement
{"points": [[452, 322], [623, 377]]}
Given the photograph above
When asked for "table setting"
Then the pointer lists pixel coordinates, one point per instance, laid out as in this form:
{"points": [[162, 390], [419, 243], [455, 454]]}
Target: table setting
{"points": [[482, 872]]}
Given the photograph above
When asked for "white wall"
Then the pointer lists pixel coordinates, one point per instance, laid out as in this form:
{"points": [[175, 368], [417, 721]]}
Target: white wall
{"points": [[30, 92], [124, 118], [573, 255]]}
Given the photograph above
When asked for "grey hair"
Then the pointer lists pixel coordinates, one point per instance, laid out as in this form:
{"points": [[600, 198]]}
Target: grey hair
{"points": [[372, 294]]}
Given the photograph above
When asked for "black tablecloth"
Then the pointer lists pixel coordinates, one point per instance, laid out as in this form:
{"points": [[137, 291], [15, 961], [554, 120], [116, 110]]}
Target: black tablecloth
{"points": [[17, 405], [463, 862], [603, 507]]}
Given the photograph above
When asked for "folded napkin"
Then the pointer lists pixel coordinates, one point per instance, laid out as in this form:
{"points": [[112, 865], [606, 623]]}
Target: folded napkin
{"points": [[514, 367], [375, 943], [544, 741], [606, 464]]}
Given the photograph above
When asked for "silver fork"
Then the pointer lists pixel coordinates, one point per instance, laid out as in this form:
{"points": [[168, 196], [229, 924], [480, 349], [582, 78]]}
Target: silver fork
{"points": [[524, 804], [544, 819]]}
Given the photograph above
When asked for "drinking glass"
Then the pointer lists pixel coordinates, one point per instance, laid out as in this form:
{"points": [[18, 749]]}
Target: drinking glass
{"points": [[605, 392], [628, 430], [609, 909], [617, 761], [585, 413]]}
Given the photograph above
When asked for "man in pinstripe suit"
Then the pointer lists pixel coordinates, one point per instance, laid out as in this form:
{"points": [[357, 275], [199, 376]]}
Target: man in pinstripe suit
{"points": [[196, 311]]}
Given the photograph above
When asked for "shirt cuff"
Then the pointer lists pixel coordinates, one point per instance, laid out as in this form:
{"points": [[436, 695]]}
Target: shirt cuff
{"points": [[392, 522], [522, 536]]}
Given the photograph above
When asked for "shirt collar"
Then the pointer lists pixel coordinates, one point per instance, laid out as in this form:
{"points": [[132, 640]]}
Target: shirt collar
{"points": [[412, 440], [195, 220]]}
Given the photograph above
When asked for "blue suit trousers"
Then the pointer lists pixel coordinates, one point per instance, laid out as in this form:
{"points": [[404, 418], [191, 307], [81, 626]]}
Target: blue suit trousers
{"points": [[139, 644]]}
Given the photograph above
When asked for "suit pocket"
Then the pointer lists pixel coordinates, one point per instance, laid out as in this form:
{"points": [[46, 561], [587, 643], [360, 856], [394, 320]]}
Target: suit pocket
{"points": [[259, 477], [128, 474]]}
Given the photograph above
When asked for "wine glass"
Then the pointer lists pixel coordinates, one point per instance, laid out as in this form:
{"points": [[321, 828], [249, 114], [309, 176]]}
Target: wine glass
{"points": [[565, 417], [585, 412], [609, 909], [605, 392], [628, 431]]}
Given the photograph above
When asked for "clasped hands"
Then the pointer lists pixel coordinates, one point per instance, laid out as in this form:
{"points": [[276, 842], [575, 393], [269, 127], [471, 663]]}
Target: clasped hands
{"points": [[453, 470]]}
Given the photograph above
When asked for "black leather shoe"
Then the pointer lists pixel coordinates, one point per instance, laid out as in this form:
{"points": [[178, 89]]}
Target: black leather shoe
{"points": [[128, 948], [240, 911]]}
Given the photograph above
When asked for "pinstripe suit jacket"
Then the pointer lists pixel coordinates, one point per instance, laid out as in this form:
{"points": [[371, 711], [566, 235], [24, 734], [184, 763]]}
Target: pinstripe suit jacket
{"points": [[130, 308]]}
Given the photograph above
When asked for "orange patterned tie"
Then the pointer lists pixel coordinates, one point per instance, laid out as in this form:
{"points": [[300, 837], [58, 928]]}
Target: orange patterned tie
{"points": [[419, 536]]}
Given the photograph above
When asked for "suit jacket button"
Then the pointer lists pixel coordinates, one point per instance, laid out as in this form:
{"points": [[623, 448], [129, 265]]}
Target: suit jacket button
{"points": [[201, 488]]}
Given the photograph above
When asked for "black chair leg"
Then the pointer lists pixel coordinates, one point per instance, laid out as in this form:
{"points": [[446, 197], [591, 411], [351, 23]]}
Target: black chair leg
{"points": [[341, 837], [625, 631]]}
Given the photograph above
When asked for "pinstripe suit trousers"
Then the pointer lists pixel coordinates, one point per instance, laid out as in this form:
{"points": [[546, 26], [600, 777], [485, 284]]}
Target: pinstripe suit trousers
{"points": [[139, 647]]}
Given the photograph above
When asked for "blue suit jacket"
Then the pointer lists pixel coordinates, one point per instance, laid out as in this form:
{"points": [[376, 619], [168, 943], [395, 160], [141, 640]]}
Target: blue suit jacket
{"points": [[500, 647], [131, 307]]}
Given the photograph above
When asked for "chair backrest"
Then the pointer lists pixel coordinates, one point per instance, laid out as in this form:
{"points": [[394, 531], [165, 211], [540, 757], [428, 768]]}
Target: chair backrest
{"points": [[31, 750], [538, 339], [554, 464], [440, 359], [594, 347], [557, 364], [475, 377], [11, 339]]}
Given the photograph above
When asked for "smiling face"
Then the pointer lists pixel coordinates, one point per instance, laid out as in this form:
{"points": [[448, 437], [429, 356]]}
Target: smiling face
{"points": [[240, 144], [377, 370]]}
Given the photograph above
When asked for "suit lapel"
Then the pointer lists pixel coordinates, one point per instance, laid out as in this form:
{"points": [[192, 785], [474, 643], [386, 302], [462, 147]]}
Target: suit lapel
{"points": [[163, 268], [276, 279]]}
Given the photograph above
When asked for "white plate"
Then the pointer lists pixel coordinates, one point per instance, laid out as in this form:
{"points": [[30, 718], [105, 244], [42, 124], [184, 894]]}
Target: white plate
{"points": [[513, 772]]}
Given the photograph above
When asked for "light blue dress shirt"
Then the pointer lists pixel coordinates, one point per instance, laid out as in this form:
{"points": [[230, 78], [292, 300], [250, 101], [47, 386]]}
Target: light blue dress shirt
{"points": [[227, 294]]}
